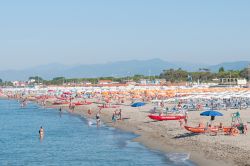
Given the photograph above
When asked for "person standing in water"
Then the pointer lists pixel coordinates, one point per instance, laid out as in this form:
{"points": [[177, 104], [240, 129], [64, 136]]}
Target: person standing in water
{"points": [[41, 132], [114, 117], [120, 114], [98, 120]]}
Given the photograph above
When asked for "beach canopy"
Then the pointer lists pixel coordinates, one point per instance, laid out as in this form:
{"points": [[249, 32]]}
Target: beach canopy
{"points": [[138, 104], [67, 93], [211, 113]]}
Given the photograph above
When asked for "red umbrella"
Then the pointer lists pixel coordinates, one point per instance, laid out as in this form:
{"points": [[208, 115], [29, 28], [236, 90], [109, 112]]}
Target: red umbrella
{"points": [[67, 93]]}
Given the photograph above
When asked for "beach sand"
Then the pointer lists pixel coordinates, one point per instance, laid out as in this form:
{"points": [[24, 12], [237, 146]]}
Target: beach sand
{"points": [[168, 136]]}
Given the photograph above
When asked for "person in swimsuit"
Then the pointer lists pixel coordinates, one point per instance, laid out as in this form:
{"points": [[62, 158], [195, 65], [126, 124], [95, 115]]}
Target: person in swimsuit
{"points": [[41, 132], [89, 112], [114, 117], [120, 114], [98, 120]]}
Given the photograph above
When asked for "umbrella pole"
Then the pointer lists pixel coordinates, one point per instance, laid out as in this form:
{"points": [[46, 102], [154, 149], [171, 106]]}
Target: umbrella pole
{"points": [[212, 104]]}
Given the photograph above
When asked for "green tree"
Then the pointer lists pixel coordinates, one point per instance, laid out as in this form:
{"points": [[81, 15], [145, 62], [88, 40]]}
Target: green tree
{"points": [[174, 75], [58, 78], [221, 69], [229, 74], [245, 73], [36, 78], [203, 76], [58, 81]]}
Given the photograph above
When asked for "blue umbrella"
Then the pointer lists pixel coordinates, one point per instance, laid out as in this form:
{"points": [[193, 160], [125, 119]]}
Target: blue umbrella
{"points": [[138, 104], [211, 113]]}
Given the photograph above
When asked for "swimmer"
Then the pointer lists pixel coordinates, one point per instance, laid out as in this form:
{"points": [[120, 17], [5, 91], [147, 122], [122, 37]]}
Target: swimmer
{"points": [[98, 120], [41, 132], [90, 123]]}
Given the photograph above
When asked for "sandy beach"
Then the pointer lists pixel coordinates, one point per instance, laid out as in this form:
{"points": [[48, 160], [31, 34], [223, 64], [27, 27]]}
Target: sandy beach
{"points": [[168, 136], [165, 136], [173, 77]]}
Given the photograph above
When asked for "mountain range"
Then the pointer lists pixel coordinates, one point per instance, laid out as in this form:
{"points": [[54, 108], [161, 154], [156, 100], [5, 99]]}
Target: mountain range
{"points": [[115, 69]]}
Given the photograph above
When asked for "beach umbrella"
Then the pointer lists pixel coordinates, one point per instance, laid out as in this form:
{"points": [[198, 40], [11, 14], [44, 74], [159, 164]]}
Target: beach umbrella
{"points": [[67, 93], [138, 104], [211, 113]]}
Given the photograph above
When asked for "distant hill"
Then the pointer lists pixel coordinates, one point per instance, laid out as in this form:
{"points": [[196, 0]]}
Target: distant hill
{"points": [[230, 66], [116, 69]]}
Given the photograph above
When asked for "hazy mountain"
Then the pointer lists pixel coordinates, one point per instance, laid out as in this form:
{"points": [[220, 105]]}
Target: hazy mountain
{"points": [[230, 66], [190, 66], [121, 68], [45, 71], [116, 69]]}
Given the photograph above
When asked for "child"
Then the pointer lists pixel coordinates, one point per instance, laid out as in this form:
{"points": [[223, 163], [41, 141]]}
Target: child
{"points": [[181, 123]]}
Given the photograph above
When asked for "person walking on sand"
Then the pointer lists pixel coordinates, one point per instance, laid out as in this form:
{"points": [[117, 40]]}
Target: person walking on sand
{"points": [[161, 113], [181, 123], [186, 117], [162, 104], [89, 112]]}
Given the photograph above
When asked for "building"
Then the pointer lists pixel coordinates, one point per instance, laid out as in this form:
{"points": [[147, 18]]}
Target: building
{"points": [[144, 81], [152, 82], [159, 81], [19, 83], [31, 81], [130, 82], [87, 83], [242, 82], [105, 82], [233, 81]]}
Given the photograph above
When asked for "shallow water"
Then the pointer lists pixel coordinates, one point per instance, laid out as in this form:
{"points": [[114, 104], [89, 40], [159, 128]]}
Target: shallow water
{"points": [[69, 140]]}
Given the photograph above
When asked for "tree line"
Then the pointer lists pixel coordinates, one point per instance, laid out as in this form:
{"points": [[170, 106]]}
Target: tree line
{"points": [[203, 75], [63, 80], [170, 75]]}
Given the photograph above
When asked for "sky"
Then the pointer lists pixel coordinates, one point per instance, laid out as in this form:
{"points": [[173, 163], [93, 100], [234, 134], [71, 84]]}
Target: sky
{"points": [[99, 31]]}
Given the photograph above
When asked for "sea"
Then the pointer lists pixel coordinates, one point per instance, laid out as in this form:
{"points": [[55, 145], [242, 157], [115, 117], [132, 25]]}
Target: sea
{"points": [[70, 140]]}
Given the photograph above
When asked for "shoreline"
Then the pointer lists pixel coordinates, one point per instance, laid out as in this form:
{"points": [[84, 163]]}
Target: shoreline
{"points": [[167, 136], [150, 140]]}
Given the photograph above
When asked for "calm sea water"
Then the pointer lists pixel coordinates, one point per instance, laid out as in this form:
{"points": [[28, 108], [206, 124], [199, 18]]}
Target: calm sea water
{"points": [[69, 140]]}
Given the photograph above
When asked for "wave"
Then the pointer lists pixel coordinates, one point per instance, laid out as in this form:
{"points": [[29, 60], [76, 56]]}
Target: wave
{"points": [[178, 157]]}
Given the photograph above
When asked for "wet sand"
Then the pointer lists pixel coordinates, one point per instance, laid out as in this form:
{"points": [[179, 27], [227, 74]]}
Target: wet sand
{"points": [[168, 136]]}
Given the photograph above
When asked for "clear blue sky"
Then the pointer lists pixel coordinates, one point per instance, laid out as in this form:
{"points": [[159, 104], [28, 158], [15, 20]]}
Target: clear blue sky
{"points": [[99, 31]]}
